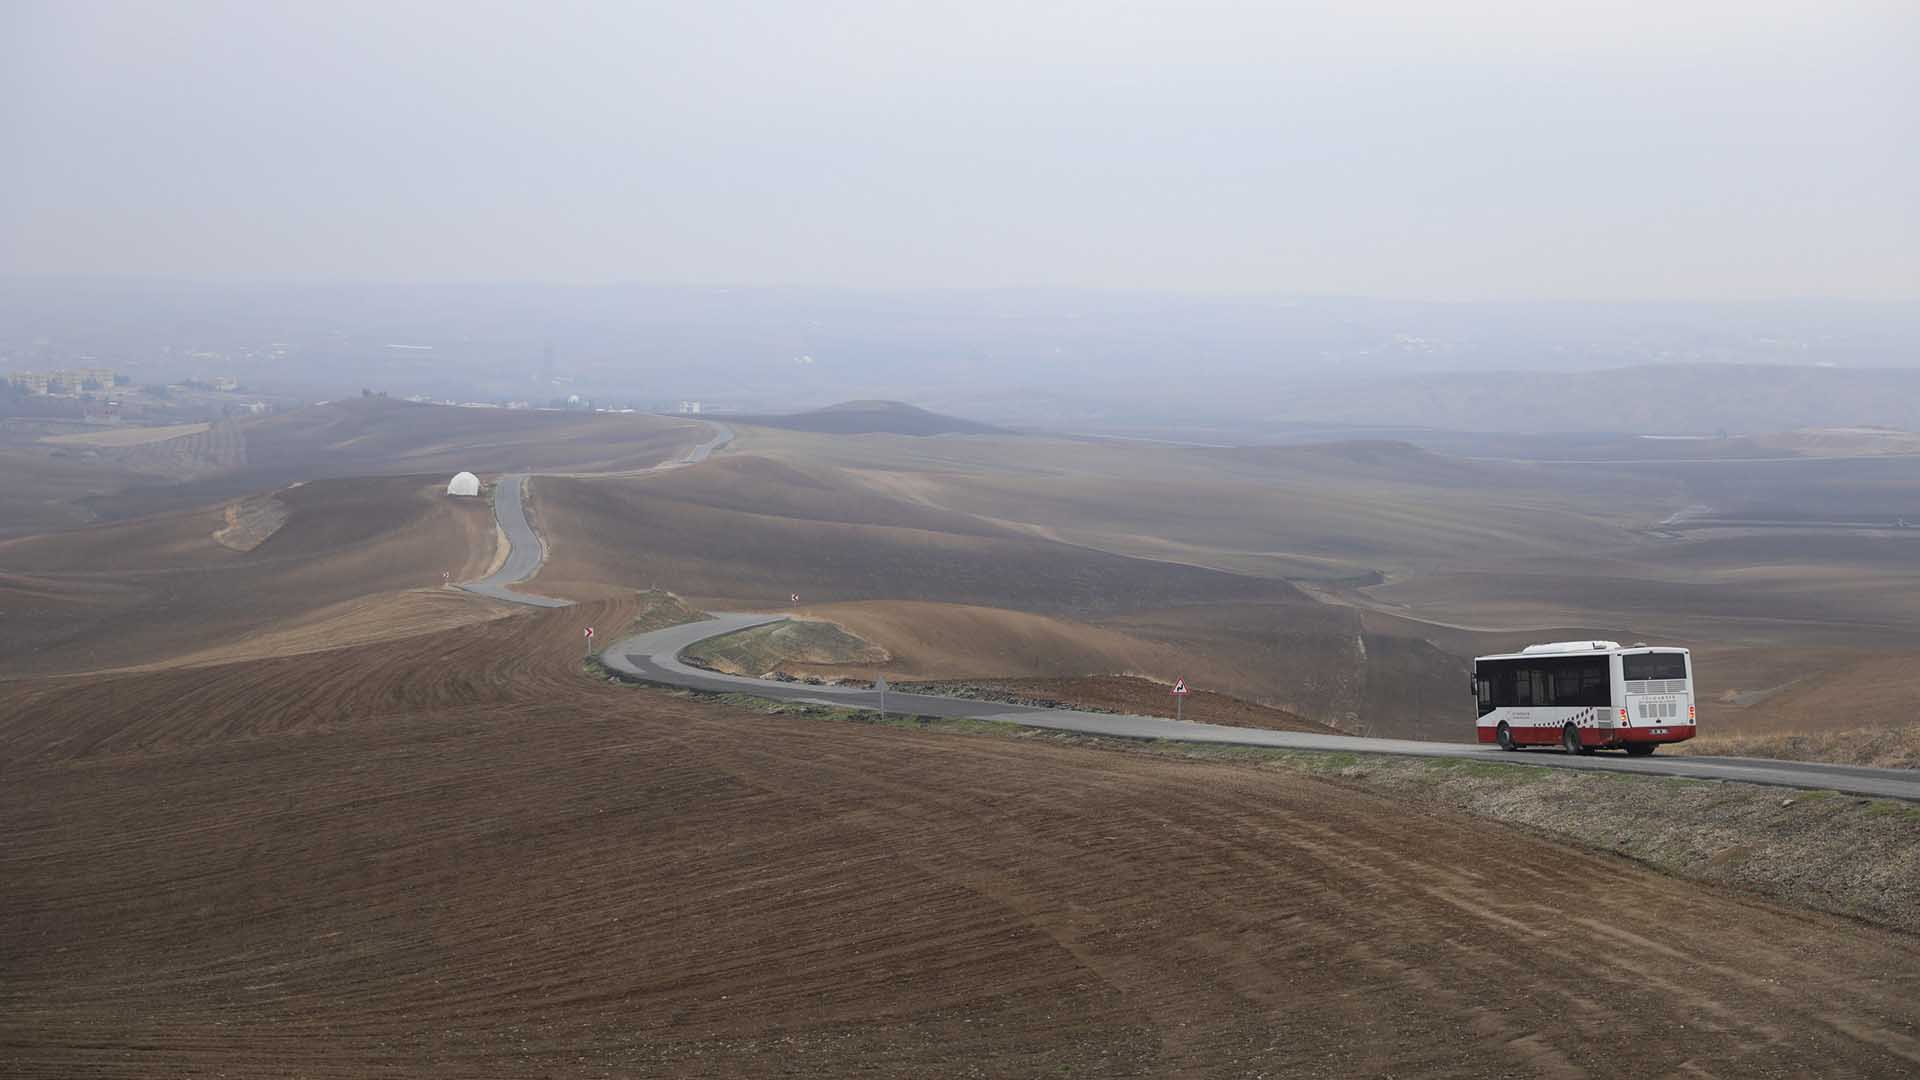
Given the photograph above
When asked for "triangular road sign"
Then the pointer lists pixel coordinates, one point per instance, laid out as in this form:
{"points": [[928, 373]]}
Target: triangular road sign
{"points": [[1180, 687]]}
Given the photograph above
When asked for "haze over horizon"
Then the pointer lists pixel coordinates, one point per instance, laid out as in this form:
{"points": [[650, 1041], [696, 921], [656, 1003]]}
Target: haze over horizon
{"points": [[1743, 152]]}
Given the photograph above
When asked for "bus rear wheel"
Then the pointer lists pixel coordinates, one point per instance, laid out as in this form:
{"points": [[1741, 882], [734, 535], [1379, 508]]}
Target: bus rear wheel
{"points": [[1504, 737], [1570, 740], [1639, 749]]}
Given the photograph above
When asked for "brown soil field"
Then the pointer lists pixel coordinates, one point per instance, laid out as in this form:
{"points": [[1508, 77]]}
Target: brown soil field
{"points": [[1262, 663], [749, 532], [1323, 662], [941, 641], [454, 853], [146, 591], [46, 488], [359, 621], [1460, 556], [1769, 692], [1319, 512]]}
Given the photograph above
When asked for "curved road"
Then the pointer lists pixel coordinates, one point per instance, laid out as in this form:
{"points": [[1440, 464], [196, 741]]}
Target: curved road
{"points": [[655, 656], [526, 551]]}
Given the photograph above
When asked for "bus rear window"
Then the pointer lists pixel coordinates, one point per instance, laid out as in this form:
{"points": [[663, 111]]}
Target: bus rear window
{"points": [[1635, 667]]}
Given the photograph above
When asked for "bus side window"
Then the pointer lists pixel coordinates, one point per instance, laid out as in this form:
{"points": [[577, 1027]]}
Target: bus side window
{"points": [[1594, 688], [1522, 687]]}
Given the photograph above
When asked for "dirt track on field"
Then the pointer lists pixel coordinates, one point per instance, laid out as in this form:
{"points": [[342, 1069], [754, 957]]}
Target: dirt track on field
{"points": [[454, 853]]}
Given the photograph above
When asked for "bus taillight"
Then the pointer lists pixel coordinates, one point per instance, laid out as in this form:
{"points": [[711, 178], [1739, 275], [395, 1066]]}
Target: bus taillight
{"points": [[1623, 719], [1690, 714]]}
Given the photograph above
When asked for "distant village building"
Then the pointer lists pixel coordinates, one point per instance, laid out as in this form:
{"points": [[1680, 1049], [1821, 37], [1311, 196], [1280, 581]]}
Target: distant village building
{"points": [[225, 382], [690, 408], [464, 484], [86, 380]]}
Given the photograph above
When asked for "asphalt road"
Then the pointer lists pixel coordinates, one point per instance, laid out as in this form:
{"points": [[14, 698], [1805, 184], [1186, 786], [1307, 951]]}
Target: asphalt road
{"points": [[655, 656], [526, 552], [722, 435]]}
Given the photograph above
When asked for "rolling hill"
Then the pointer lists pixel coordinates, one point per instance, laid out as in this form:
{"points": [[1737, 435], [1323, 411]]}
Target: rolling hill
{"points": [[162, 588], [63, 484], [869, 418]]}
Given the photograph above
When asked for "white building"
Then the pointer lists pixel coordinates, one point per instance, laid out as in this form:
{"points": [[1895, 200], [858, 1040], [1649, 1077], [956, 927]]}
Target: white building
{"points": [[690, 408], [464, 484]]}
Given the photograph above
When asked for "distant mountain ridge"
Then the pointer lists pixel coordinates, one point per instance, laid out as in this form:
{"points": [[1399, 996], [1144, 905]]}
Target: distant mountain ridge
{"points": [[872, 418], [1653, 399]]}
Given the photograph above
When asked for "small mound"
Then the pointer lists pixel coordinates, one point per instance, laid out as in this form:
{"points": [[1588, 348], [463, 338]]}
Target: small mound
{"points": [[764, 649], [660, 609], [873, 418]]}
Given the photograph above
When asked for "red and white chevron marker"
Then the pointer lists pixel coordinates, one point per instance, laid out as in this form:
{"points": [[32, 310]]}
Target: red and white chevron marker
{"points": [[795, 598], [588, 640]]}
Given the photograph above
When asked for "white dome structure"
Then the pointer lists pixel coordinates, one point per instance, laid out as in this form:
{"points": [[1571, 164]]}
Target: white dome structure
{"points": [[464, 484]]}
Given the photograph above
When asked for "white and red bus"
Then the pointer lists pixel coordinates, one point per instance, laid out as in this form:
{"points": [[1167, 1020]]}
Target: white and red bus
{"points": [[1586, 696]]}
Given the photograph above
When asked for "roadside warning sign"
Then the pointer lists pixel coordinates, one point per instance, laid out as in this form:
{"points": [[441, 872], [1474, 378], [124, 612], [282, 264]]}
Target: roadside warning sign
{"points": [[590, 634], [1180, 687], [794, 597]]}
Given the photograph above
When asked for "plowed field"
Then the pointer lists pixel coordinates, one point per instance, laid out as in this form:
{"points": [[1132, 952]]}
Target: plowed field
{"points": [[155, 589], [455, 854]]}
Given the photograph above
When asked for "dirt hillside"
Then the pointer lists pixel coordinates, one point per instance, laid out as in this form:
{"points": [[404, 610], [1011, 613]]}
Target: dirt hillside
{"points": [[455, 854], [144, 591], [750, 532], [950, 594]]}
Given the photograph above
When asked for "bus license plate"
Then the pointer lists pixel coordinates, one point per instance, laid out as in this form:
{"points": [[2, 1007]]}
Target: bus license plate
{"points": [[1658, 731]]}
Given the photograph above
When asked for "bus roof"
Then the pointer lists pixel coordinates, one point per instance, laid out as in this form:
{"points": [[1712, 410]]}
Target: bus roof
{"points": [[1580, 648]]}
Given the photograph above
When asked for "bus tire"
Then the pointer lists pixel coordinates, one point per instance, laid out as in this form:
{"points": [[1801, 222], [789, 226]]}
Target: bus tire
{"points": [[1640, 749], [1504, 737], [1570, 740]]}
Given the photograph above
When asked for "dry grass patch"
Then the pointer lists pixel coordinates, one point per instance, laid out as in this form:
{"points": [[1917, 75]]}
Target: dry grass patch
{"points": [[251, 522], [765, 649], [660, 609], [1890, 747], [126, 436]]}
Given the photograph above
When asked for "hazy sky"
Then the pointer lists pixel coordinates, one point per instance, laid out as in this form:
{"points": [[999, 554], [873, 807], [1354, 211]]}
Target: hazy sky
{"points": [[1724, 149]]}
